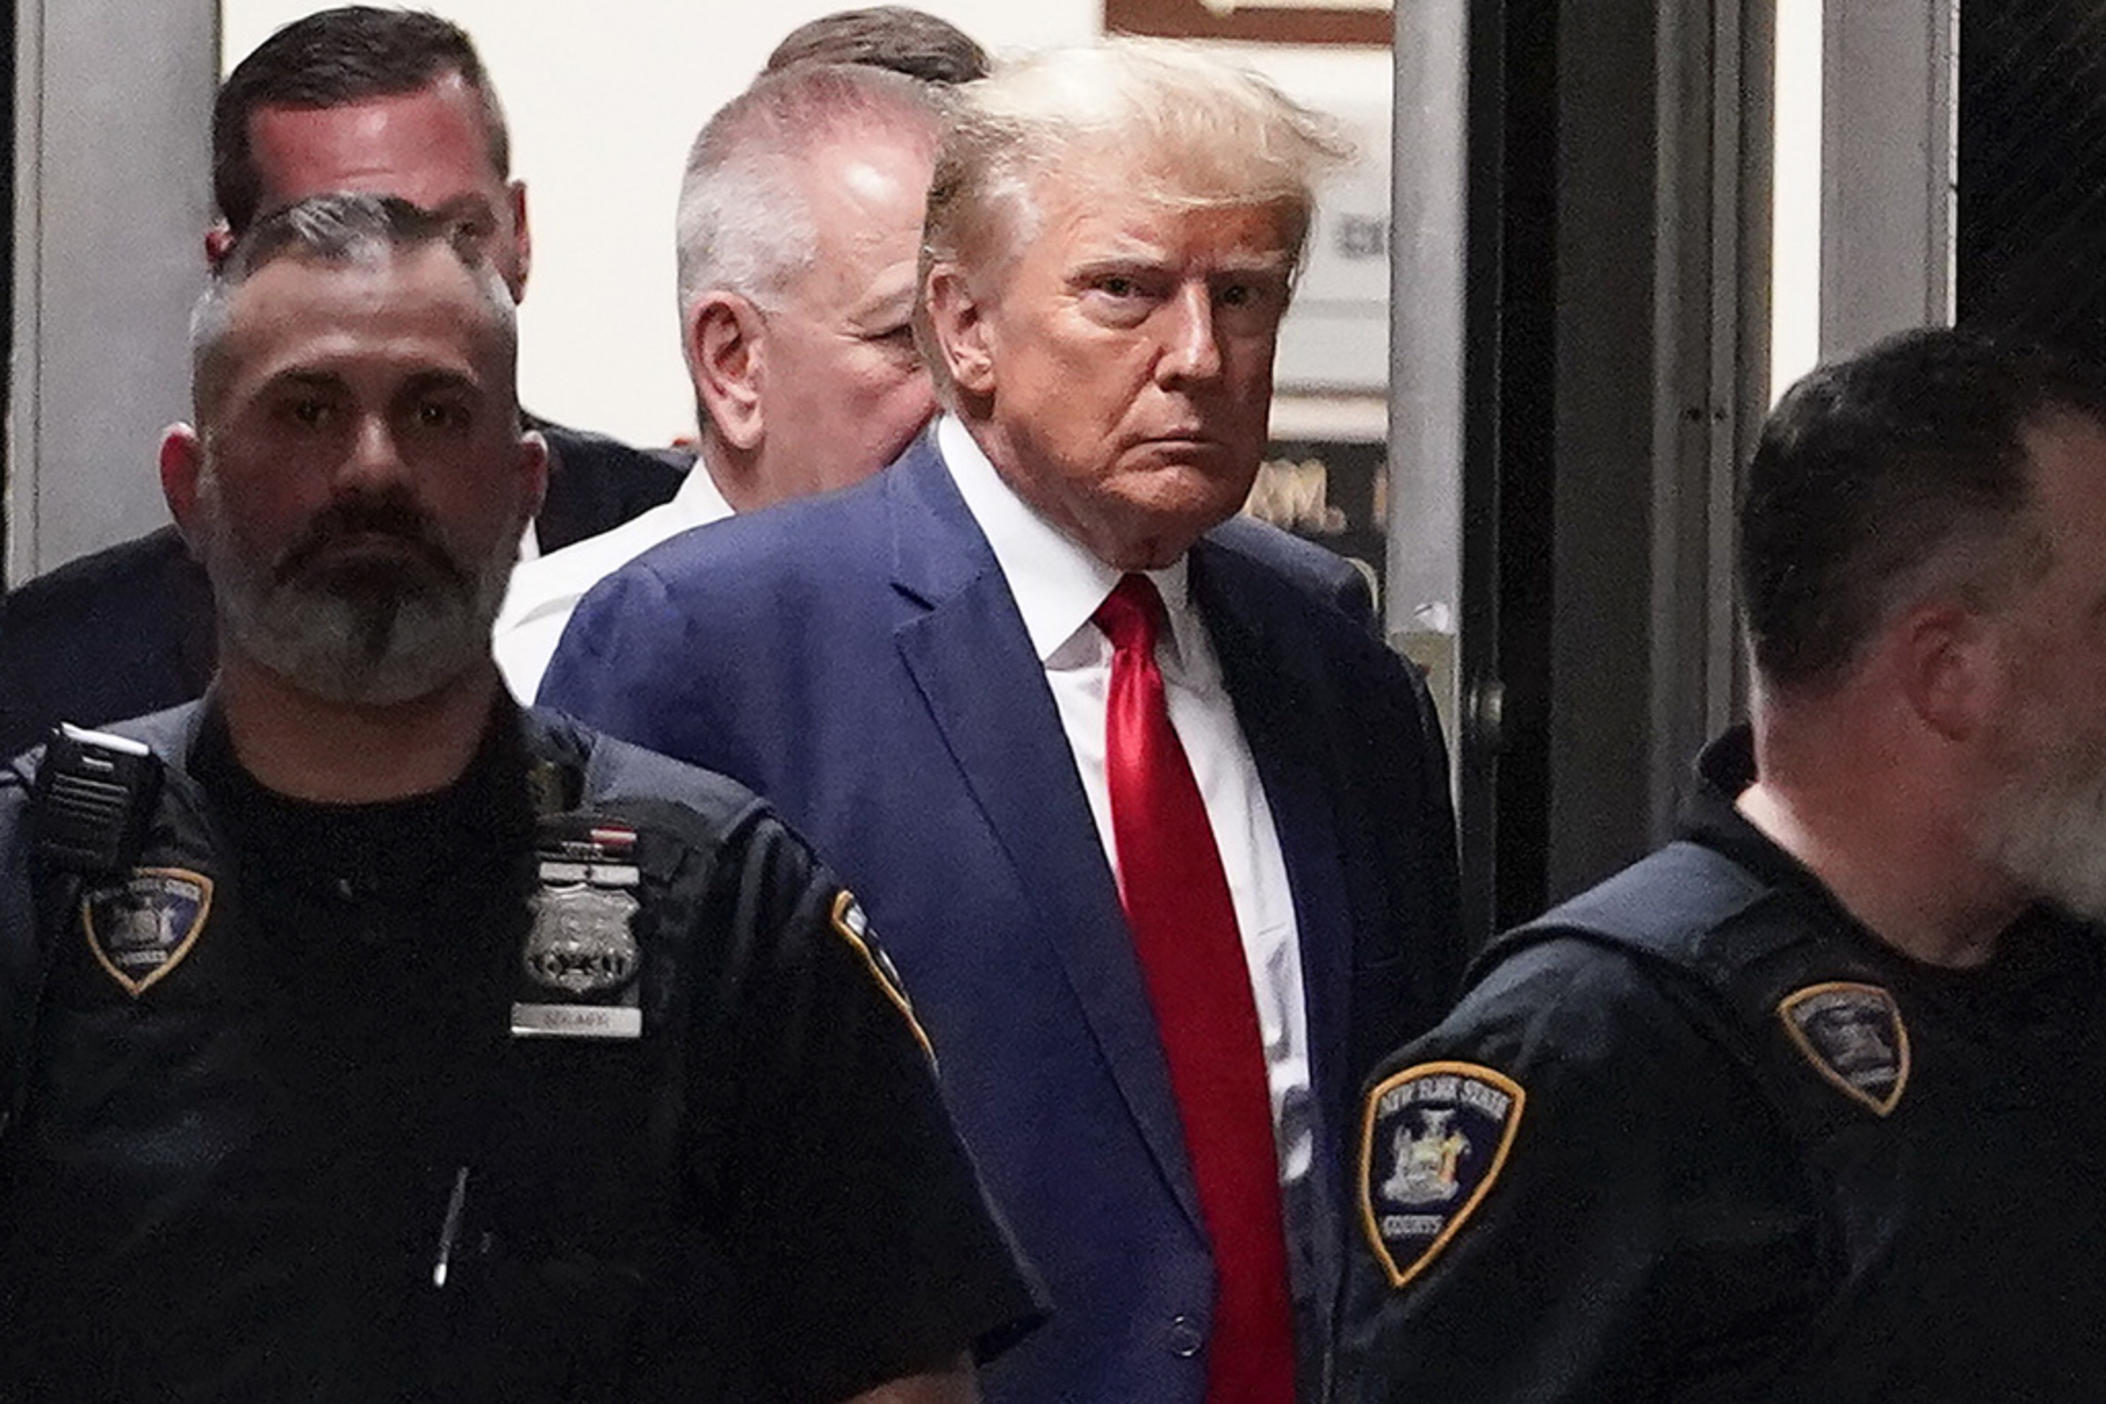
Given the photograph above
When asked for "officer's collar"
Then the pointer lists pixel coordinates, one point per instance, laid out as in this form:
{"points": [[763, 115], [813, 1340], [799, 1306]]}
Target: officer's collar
{"points": [[2038, 942], [403, 841], [1723, 771], [209, 756]]}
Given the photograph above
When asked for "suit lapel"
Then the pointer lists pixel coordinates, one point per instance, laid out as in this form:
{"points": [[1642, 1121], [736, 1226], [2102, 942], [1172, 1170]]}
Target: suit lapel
{"points": [[985, 689], [1284, 721]]}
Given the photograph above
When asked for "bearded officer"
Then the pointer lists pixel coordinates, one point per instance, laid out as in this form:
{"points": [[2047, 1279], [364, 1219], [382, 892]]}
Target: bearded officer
{"points": [[371, 1038], [1804, 1105]]}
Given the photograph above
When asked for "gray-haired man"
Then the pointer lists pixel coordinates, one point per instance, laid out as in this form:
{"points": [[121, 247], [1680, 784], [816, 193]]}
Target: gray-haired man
{"points": [[800, 218]]}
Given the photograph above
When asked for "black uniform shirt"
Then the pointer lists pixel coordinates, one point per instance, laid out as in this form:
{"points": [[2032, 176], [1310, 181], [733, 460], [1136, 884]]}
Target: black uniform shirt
{"points": [[241, 1182], [1679, 1202]]}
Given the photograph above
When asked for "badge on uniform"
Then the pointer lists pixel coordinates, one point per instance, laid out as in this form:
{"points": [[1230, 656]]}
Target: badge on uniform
{"points": [[140, 927], [580, 961], [1854, 1037], [1433, 1141], [853, 927]]}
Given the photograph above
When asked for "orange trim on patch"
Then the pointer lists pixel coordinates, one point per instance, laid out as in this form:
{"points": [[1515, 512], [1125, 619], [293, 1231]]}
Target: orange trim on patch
{"points": [[886, 982], [132, 987], [1399, 1277], [1820, 1062]]}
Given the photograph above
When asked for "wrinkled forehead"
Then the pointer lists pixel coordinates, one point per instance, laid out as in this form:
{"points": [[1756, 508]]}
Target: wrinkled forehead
{"points": [[429, 146], [865, 182], [865, 205], [1135, 208], [405, 309]]}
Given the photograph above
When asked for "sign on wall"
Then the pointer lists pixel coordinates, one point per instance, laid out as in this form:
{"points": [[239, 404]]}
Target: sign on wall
{"points": [[1255, 21]]}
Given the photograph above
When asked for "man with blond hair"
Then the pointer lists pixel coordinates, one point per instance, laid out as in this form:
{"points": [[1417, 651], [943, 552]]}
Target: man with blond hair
{"points": [[800, 217], [1160, 836]]}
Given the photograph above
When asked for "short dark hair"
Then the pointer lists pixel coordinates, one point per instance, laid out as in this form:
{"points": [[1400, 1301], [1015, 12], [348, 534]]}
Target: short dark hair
{"points": [[904, 40], [337, 228], [352, 53], [1895, 471]]}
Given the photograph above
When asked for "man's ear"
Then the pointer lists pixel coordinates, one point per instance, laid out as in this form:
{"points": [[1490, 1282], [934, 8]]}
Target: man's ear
{"points": [[533, 468], [1948, 666], [219, 242], [522, 241], [182, 457], [727, 356], [959, 325]]}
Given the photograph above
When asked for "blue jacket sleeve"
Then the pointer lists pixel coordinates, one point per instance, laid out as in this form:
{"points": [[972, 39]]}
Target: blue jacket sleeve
{"points": [[610, 670]]}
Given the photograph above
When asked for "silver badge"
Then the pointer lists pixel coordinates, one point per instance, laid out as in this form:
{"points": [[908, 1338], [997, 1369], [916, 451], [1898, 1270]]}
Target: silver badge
{"points": [[581, 943], [581, 959]]}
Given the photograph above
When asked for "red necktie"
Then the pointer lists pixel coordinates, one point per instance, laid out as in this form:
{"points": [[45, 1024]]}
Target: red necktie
{"points": [[1184, 930]]}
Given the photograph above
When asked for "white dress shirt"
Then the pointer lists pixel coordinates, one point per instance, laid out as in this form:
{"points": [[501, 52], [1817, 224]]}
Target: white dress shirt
{"points": [[545, 589], [1057, 586]]}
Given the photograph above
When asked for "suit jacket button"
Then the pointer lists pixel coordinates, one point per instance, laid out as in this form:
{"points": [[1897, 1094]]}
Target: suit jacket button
{"points": [[1185, 1338]]}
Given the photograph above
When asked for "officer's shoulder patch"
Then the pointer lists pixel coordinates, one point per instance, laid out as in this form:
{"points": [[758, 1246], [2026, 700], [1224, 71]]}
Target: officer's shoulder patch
{"points": [[1854, 1036], [139, 927], [853, 927], [1433, 1140]]}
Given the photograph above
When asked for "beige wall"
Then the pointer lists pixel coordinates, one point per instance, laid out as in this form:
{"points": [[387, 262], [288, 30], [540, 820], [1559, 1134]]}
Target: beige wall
{"points": [[602, 110], [603, 101]]}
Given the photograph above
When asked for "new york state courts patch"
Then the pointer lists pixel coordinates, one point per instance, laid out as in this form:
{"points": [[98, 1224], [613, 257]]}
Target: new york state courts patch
{"points": [[140, 927], [1854, 1036], [1434, 1138]]}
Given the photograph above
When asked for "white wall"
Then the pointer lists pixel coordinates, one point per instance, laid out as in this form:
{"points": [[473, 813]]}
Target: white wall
{"points": [[603, 102]]}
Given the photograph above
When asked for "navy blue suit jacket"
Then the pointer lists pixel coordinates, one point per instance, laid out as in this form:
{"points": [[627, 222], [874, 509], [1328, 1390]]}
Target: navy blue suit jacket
{"points": [[858, 659]]}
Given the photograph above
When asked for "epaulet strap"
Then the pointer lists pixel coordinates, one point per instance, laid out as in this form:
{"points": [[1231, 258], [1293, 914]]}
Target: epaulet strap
{"points": [[1764, 972], [1667, 906], [574, 782]]}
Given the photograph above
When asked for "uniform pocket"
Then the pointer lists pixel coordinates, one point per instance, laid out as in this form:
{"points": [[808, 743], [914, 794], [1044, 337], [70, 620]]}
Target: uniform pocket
{"points": [[534, 1320], [562, 1218]]}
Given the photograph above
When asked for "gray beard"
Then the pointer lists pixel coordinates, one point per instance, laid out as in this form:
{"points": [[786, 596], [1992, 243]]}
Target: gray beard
{"points": [[2047, 830], [375, 641]]}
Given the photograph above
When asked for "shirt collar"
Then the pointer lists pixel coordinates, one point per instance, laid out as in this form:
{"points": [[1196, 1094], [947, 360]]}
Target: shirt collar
{"points": [[1056, 583], [1711, 815], [699, 500], [542, 585]]}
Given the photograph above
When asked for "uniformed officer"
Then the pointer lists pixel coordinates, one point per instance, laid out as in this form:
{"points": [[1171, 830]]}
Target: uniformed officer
{"points": [[1804, 1106], [366, 1037]]}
